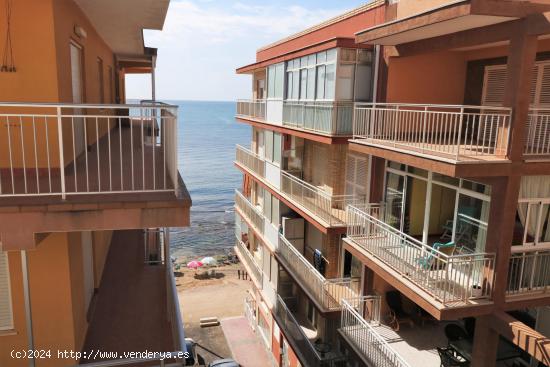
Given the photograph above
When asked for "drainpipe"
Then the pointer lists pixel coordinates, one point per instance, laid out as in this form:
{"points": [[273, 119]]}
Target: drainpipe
{"points": [[27, 297]]}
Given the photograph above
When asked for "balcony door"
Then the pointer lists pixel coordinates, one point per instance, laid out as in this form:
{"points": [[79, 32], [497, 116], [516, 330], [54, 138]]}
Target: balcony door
{"points": [[77, 83]]}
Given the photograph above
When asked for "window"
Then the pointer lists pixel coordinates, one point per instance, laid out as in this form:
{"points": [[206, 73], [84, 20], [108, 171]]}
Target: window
{"points": [[275, 81], [101, 84], [271, 208], [6, 315], [273, 147]]}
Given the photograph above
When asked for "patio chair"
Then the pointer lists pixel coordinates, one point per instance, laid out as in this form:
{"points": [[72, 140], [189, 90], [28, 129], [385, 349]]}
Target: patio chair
{"points": [[450, 358], [427, 262], [397, 315]]}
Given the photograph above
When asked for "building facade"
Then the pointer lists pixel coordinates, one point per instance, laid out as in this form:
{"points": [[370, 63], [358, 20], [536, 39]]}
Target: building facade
{"points": [[396, 187], [88, 186]]}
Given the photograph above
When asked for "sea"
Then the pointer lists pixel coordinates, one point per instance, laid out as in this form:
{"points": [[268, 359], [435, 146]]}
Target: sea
{"points": [[207, 135]]}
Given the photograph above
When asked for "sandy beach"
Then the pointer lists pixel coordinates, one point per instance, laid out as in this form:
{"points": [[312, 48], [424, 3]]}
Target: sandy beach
{"points": [[210, 292]]}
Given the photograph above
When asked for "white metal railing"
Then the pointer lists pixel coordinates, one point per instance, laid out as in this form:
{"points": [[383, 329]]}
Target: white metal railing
{"points": [[330, 208], [308, 354], [529, 271], [453, 132], [328, 292], [254, 216], [358, 315], [68, 149], [448, 278], [248, 259], [252, 108], [538, 132], [250, 161], [326, 117]]}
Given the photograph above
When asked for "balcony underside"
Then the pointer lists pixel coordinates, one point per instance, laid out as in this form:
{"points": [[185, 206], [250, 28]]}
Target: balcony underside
{"points": [[301, 133], [129, 310], [477, 168], [447, 311]]}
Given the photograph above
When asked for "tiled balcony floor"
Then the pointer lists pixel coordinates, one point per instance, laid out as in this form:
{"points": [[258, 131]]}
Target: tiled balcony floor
{"points": [[130, 313]]}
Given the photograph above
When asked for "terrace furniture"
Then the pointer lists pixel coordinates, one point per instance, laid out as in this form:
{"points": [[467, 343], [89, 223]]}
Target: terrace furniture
{"points": [[427, 262], [455, 332], [397, 315], [450, 358], [505, 350]]}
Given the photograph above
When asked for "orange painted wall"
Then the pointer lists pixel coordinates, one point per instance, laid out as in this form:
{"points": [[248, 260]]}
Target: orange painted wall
{"points": [[429, 78], [407, 8], [42, 30], [51, 302], [57, 296]]}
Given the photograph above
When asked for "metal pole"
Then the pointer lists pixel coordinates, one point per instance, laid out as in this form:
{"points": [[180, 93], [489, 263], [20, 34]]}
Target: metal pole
{"points": [[153, 87], [27, 297]]}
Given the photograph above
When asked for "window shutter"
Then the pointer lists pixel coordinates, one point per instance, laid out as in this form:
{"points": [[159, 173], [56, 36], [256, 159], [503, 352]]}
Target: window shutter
{"points": [[356, 175], [544, 89], [493, 85], [6, 316]]}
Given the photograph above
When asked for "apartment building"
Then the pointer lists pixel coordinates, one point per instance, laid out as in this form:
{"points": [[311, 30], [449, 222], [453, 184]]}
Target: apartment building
{"points": [[88, 186], [402, 219]]}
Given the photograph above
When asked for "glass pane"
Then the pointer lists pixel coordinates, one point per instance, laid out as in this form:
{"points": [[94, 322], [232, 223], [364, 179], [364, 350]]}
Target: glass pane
{"points": [[330, 85], [267, 205], [477, 187], [289, 84], [417, 171], [394, 198], [303, 62], [268, 145], [396, 165], [321, 82], [331, 55], [442, 214], [275, 211], [303, 83], [365, 56], [415, 207], [311, 84], [271, 81], [279, 80], [321, 57], [471, 223], [446, 179], [296, 86], [311, 60], [277, 148]]}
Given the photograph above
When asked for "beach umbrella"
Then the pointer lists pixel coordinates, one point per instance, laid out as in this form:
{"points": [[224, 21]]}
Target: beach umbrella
{"points": [[209, 260], [194, 264]]}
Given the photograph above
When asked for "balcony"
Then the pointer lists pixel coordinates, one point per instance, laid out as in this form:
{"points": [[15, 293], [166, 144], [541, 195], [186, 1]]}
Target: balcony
{"points": [[69, 150], [529, 272], [333, 118], [248, 261], [537, 145], [454, 134], [360, 328], [330, 118], [451, 280], [326, 292], [324, 207], [250, 212], [251, 161], [294, 328], [251, 109], [329, 208], [136, 307]]}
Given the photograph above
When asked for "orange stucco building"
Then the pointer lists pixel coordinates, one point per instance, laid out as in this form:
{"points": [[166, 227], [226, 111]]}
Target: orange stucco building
{"points": [[88, 185]]}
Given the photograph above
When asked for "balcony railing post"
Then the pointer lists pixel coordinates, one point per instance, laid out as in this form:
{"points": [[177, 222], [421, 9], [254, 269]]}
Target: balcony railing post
{"points": [[459, 137], [62, 152]]}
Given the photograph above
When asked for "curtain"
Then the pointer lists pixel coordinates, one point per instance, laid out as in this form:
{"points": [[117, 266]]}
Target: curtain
{"points": [[535, 187]]}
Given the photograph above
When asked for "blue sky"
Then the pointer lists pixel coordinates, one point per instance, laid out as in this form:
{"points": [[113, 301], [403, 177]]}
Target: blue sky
{"points": [[204, 41]]}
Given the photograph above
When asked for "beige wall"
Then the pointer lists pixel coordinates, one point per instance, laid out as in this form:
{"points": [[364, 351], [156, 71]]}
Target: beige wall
{"points": [[324, 166]]}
